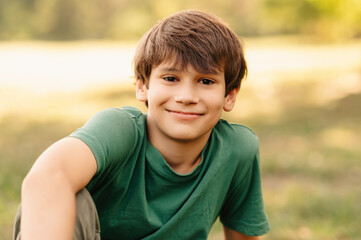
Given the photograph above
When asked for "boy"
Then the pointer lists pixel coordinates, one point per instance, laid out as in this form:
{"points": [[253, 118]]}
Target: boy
{"points": [[167, 174]]}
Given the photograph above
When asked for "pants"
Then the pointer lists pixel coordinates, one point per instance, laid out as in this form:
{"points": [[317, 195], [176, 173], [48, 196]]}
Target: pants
{"points": [[87, 225]]}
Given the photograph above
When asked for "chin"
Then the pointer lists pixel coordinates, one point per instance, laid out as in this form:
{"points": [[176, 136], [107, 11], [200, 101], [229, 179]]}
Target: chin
{"points": [[184, 136]]}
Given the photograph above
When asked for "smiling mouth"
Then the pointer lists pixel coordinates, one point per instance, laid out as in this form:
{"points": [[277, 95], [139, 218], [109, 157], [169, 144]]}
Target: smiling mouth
{"points": [[185, 115]]}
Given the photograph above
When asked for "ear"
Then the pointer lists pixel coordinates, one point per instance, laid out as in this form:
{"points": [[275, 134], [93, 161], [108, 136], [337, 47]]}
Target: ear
{"points": [[230, 100], [141, 91]]}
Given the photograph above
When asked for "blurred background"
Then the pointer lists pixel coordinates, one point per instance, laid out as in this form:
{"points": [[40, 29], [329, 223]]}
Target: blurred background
{"points": [[61, 61]]}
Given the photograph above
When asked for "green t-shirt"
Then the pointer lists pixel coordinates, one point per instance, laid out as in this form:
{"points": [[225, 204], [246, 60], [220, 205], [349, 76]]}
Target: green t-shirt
{"points": [[139, 196]]}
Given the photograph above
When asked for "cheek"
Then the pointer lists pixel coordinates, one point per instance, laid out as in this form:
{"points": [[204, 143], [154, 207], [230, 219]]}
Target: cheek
{"points": [[216, 100], [158, 95]]}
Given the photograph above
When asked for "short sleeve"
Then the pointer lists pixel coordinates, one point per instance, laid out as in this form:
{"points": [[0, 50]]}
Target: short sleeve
{"points": [[244, 210], [110, 134]]}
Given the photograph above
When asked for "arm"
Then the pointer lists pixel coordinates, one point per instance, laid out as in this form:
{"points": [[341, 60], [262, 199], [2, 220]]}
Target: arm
{"points": [[49, 189], [234, 235]]}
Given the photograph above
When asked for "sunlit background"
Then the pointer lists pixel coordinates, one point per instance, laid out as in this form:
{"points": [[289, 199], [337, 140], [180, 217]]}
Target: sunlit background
{"points": [[61, 61]]}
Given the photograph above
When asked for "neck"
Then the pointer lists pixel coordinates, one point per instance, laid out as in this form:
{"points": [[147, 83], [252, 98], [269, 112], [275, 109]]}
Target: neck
{"points": [[181, 156]]}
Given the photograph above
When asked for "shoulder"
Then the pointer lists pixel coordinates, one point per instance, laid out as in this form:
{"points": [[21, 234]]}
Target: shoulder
{"points": [[124, 112], [111, 125], [112, 134], [236, 136], [113, 117], [235, 145]]}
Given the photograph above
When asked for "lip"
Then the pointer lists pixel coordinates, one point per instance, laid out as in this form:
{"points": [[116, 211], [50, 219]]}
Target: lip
{"points": [[185, 115]]}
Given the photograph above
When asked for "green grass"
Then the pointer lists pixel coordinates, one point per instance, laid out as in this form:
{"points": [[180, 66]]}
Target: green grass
{"points": [[310, 149]]}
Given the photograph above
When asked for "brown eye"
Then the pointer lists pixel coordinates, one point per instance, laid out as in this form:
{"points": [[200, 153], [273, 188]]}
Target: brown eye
{"points": [[206, 81], [170, 79]]}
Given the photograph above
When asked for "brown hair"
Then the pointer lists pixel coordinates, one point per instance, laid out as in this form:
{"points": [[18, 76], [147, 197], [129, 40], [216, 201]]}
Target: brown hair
{"points": [[196, 38]]}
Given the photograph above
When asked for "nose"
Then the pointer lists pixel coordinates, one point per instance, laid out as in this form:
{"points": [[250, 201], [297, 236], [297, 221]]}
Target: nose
{"points": [[186, 94]]}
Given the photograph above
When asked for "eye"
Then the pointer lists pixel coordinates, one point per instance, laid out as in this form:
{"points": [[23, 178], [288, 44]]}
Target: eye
{"points": [[170, 79], [206, 81]]}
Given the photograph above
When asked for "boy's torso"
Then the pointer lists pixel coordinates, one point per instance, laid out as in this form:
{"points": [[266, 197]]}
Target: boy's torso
{"points": [[141, 197]]}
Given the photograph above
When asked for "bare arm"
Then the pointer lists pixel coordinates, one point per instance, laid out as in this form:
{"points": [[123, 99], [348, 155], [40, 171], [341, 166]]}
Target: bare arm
{"points": [[234, 235], [49, 189]]}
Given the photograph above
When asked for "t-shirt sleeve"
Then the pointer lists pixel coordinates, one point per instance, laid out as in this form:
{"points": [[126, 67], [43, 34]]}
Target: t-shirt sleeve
{"points": [[244, 210], [110, 134]]}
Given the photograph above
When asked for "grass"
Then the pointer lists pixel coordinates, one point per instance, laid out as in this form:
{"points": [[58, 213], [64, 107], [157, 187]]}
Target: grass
{"points": [[308, 123]]}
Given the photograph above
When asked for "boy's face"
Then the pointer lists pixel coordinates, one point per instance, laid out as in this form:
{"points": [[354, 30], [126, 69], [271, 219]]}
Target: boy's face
{"points": [[183, 104]]}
